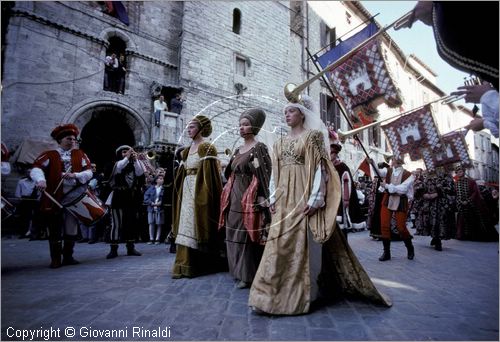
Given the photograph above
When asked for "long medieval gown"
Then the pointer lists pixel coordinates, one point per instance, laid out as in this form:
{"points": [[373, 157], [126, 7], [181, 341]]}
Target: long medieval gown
{"points": [[197, 191], [302, 252], [248, 174], [436, 217]]}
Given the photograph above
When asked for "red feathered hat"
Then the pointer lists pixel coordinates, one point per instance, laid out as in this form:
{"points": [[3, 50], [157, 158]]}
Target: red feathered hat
{"points": [[62, 131]]}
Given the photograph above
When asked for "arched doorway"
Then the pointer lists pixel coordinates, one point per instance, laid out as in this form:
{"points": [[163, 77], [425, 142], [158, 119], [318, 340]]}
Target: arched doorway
{"points": [[107, 129]]}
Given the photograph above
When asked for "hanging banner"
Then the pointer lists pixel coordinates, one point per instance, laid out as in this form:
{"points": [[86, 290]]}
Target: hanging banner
{"points": [[363, 81], [414, 133]]}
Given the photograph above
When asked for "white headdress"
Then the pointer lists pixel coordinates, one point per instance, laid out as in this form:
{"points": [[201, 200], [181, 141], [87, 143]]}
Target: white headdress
{"points": [[312, 117]]}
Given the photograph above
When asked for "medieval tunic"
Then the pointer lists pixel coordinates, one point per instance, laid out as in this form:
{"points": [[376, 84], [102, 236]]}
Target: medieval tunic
{"points": [[53, 164], [50, 166], [287, 278], [248, 174], [473, 218], [395, 201], [415, 214], [436, 210], [195, 212], [127, 179]]}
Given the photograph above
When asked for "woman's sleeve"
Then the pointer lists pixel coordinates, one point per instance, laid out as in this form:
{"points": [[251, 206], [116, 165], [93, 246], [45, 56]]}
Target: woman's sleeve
{"points": [[318, 190], [272, 190], [317, 197], [262, 168]]}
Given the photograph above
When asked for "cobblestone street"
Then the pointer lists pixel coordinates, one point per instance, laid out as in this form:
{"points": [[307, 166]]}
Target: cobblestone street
{"points": [[448, 295]]}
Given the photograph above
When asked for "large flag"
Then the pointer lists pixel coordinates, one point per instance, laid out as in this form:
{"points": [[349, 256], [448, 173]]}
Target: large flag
{"points": [[454, 150], [414, 133], [363, 81], [118, 10]]}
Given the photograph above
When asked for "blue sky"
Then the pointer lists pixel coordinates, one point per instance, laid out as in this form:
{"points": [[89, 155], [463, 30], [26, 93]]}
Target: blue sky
{"points": [[418, 40]]}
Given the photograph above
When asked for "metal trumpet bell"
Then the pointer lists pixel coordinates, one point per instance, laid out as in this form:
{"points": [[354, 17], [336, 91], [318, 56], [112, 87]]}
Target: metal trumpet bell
{"points": [[291, 93], [151, 155]]}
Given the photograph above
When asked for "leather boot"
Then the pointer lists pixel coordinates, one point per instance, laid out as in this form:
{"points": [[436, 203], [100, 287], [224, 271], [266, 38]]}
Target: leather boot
{"points": [[55, 254], [131, 249], [438, 246], [68, 253], [113, 251], [409, 247], [387, 250]]}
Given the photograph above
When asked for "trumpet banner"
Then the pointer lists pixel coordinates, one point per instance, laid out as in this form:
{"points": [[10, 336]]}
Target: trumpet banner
{"points": [[363, 81], [454, 150], [414, 133]]}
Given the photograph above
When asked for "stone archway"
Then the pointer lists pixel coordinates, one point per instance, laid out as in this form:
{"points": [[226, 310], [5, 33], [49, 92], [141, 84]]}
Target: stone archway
{"points": [[108, 33], [104, 127]]}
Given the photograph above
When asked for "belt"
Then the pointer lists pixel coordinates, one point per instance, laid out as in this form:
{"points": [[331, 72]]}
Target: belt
{"points": [[190, 172]]}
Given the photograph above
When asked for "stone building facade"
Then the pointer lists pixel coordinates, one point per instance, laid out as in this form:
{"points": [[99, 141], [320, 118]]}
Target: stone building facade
{"points": [[225, 56]]}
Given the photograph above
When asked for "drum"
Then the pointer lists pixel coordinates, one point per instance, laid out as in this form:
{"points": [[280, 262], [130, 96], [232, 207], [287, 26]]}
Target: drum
{"points": [[7, 209], [84, 205]]}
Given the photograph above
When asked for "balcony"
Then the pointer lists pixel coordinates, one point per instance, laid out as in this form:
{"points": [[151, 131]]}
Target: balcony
{"points": [[170, 129]]}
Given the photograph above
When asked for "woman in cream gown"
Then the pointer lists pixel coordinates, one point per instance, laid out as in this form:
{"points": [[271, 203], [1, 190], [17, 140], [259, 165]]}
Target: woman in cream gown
{"points": [[305, 253], [197, 188]]}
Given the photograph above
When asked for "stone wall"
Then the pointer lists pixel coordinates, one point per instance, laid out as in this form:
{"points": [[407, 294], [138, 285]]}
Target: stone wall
{"points": [[54, 62], [208, 70]]}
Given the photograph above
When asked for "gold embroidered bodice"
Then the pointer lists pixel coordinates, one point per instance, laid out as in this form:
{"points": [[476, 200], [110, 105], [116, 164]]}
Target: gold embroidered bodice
{"points": [[291, 151]]}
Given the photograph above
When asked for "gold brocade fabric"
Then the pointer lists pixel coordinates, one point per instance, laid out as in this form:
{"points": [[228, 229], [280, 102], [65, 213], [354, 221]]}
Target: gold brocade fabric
{"points": [[282, 285]]}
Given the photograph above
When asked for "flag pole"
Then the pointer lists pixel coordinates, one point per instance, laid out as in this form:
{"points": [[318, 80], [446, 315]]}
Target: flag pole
{"points": [[342, 110]]}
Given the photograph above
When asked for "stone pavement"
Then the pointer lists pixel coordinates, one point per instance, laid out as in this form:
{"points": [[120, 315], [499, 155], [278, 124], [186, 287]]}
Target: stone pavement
{"points": [[448, 295]]}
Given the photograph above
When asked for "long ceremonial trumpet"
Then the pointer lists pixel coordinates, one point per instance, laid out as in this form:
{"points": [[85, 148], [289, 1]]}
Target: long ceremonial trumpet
{"points": [[347, 134], [452, 98], [292, 91], [444, 100]]}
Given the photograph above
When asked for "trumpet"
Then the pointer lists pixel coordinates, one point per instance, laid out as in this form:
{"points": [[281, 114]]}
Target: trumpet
{"points": [[444, 100], [452, 98], [468, 82], [145, 159], [347, 134], [292, 91], [151, 154]]}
